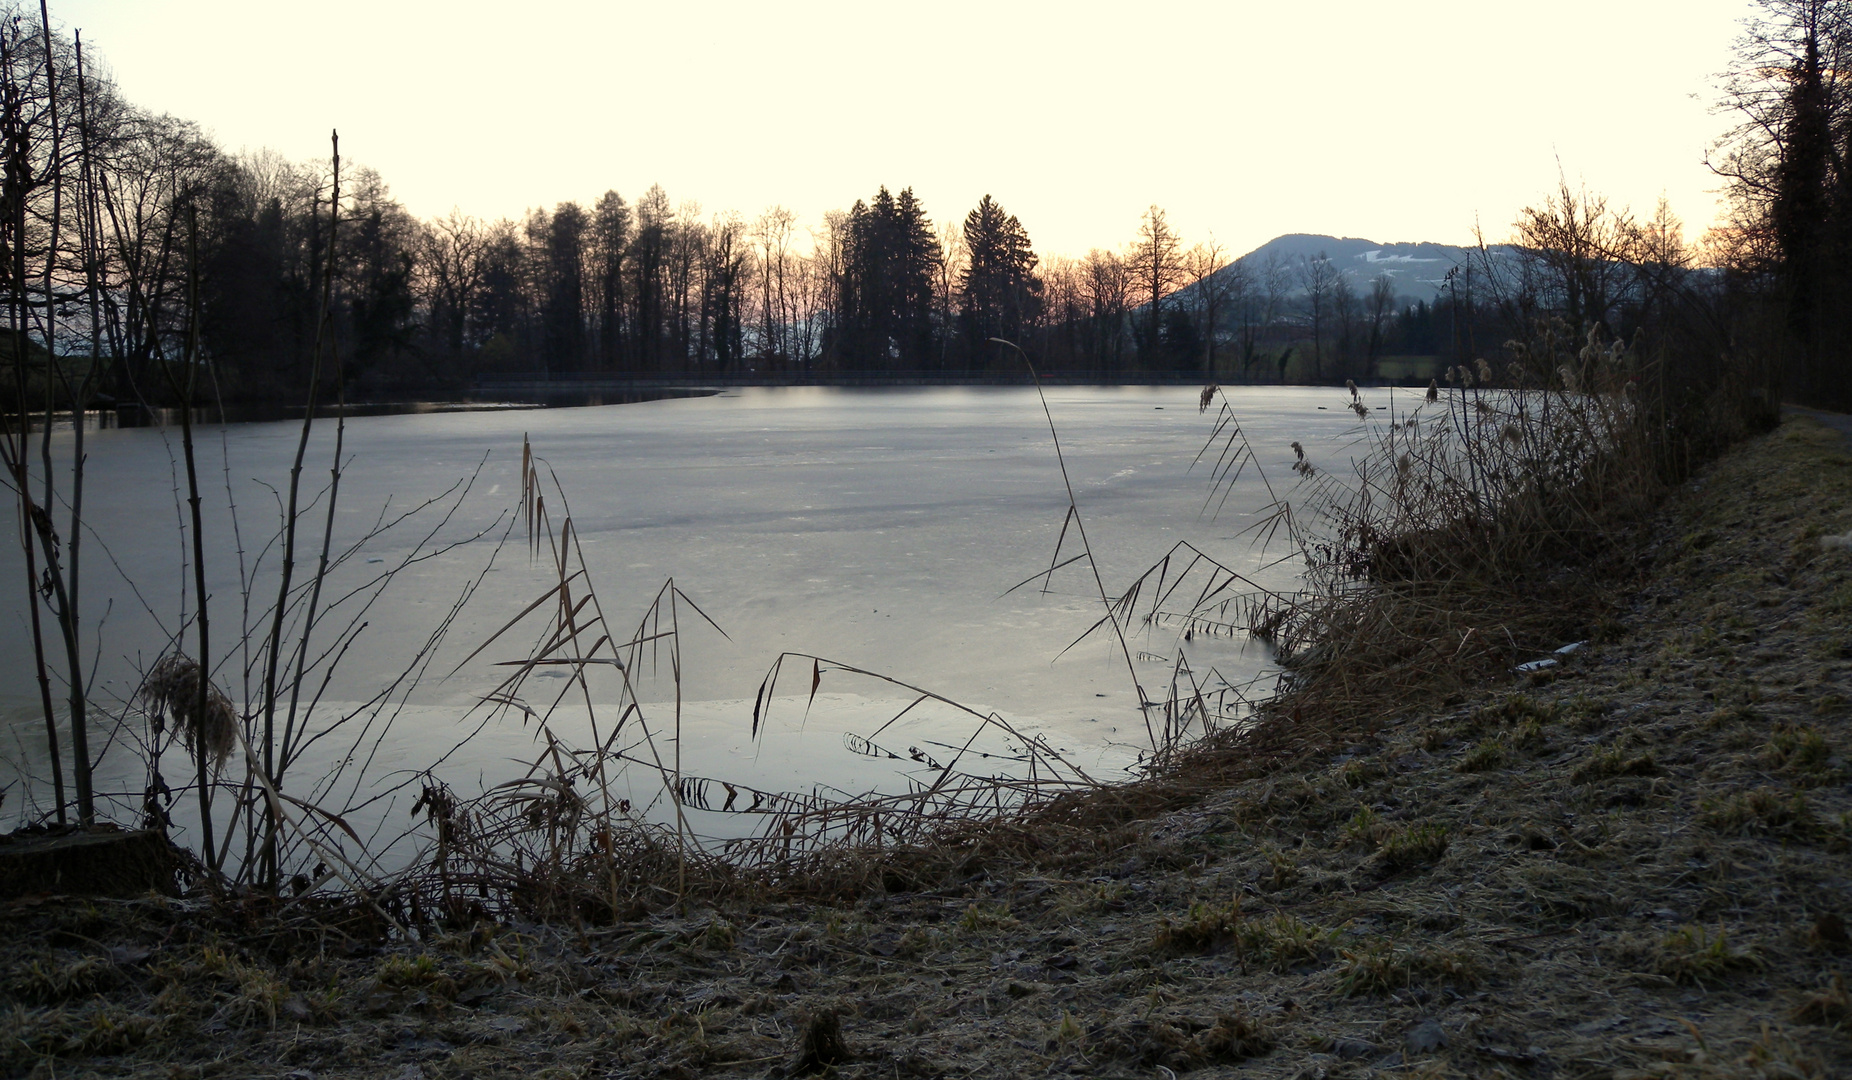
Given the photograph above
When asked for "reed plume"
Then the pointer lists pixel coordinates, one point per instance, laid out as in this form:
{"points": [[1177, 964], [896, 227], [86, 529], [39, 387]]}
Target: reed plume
{"points": [[172, 688]]}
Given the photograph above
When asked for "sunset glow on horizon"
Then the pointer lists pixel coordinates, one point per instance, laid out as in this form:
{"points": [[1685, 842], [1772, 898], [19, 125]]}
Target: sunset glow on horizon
{"points": [[1241, 120]]}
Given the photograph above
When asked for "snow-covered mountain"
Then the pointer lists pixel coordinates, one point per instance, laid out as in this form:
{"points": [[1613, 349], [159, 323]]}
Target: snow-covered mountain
{"points": [[1419, 269]]}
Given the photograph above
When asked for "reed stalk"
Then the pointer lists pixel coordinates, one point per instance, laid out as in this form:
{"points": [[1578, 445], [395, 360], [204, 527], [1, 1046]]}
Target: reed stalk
{"points": [[274, 643], [1080, 530]]}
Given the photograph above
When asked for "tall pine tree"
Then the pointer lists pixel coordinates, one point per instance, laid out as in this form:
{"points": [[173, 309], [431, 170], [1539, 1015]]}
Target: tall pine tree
{"points": [[883, 318], [999, 295]]}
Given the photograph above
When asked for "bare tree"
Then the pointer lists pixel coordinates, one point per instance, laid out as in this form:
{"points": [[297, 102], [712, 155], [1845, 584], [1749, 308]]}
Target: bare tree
{"points": [[1276, 284], [1245, 301], [1158, 266], [1318, 281], [1381, 308], [1211, 290], [948, 270], [152, 168], [1108, 284], [687, 243], [1064, 310], [451, 264], [1345, 310], [648, 273], [1659, 240], [1568, 258], [810, 300], [726, 279], [773, 232], [830, 259]]}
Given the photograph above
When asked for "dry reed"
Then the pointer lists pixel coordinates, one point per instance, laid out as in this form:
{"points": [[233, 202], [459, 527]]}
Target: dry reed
{"points": [[172, 688], [1467, 531]]}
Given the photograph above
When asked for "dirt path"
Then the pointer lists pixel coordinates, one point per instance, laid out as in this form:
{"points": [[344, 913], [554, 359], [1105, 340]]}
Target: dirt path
{"points": [[1635, 864]]}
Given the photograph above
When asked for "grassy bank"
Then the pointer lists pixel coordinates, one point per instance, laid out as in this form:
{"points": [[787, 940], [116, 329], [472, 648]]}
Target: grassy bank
{"points": [[1636, 863]]}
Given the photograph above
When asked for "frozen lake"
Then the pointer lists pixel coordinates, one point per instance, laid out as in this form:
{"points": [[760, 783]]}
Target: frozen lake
{"points": [[877, 528]]}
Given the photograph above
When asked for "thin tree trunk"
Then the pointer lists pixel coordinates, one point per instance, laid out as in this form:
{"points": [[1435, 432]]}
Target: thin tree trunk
{"points": [[64, 583], [275, 645], [199, 542], [321, 566], [91, 246], [16, 444]]}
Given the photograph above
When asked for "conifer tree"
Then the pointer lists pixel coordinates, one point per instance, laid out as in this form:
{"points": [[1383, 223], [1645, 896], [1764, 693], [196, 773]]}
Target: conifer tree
{"points": [[883, 317], [999, 295]]}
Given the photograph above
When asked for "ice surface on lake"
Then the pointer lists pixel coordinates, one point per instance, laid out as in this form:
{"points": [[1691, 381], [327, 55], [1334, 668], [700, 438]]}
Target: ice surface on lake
{"points": [[876, 528]]}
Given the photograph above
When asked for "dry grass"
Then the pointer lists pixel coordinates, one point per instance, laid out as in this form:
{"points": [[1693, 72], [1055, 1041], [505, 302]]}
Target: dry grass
{"points": [[1554, 914], [1768, 811], [1381, 967], [1412, 845], [1564, 929], [1612, 761], [1472, 531], [1694, 955], [1275, 942], [1230, 1038]]}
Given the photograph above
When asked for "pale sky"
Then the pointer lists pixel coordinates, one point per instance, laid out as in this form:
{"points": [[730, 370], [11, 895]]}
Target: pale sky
{"points": [[1391, 121]]}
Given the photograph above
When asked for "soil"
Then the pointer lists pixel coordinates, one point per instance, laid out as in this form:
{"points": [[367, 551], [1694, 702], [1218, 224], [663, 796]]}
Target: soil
{"points": [[1636, 863]]}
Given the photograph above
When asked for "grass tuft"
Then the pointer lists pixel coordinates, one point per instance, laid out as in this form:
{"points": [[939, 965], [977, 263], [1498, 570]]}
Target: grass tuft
{"points": [[1181, 1044], [1413, 845], [1366, 829], [47, 982], [1206, 928], [981, 918], [1827, 1007], [1766, 811], [1799, 749], [1514, 710], [1489, 754], [1689, 955], [1276, 943], [1380, 967], [1611, 762]]}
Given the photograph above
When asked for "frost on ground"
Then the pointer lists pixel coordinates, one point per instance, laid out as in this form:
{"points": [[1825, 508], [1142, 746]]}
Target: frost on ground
{"points": [[1637, 863]]}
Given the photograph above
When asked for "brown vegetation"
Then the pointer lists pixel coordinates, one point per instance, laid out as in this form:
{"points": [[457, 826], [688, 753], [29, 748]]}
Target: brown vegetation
{"points": [[1585, 916]]}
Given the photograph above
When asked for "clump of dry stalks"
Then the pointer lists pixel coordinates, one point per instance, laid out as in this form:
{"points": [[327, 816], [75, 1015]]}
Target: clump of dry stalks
{"points": [[558, 843], [1467, 531], [172, 689], [565, 839]]}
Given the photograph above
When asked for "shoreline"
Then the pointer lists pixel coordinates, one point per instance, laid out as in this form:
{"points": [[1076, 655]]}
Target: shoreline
{"points": [[1634, 864]]}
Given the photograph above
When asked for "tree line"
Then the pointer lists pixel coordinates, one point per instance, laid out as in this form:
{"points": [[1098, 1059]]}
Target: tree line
{"points": [[649, 286], [1761, 307], [643, 286]]}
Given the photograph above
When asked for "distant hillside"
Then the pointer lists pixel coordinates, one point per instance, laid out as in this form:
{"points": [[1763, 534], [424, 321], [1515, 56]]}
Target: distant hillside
{"points": [[1418, 269]]}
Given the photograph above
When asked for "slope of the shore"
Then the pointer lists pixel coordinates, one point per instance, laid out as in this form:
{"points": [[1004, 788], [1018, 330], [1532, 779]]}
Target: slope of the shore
{"points": [[1636, 863]]}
